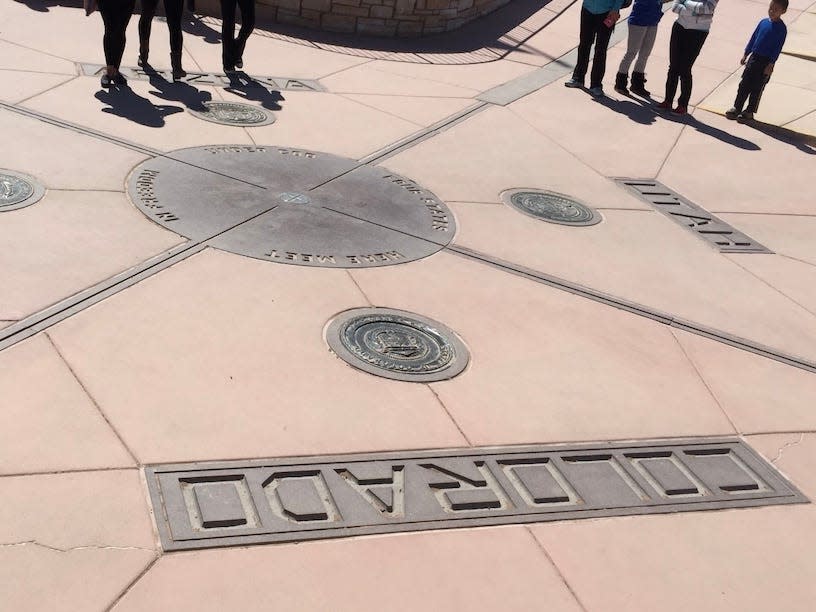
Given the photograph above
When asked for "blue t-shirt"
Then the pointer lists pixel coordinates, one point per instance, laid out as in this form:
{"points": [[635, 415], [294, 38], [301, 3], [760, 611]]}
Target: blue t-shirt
{"points": [[767, 39], [646, 13], [596, 7]]}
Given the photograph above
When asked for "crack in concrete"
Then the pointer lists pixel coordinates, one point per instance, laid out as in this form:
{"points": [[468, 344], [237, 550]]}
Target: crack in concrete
{"points": [[73, 548], [786, 446]]}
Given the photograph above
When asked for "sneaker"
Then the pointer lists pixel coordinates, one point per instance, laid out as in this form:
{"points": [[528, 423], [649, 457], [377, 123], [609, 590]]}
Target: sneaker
{"points": [[731, 113], [106, 81], [745, 116], [573, 82], [596, 92], [179, 73], [680, 110], [663, 106], [120, 79]]}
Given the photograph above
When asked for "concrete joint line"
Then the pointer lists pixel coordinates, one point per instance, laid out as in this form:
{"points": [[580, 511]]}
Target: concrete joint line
{"points": [[635, 308], [786, 446], [74, 548]]}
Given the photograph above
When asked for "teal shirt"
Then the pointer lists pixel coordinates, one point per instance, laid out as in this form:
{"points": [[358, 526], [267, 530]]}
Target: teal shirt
{"points": [[596, 7]]}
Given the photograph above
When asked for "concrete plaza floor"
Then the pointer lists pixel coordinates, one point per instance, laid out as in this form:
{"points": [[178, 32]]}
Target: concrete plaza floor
{"points": [[221, 356]]}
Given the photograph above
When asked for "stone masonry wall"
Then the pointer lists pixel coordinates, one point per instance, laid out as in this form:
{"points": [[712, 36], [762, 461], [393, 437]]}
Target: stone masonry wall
{"points": [[405, 18]]}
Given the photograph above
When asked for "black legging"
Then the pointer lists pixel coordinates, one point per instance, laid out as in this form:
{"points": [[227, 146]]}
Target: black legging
{"points": [[684, 47], [232, 47], [593, 29], [172, 10], [116, 16]]}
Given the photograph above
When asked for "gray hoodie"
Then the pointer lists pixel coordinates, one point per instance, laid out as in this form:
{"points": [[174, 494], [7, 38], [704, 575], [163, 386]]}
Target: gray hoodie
{"points": [[695, 14]]}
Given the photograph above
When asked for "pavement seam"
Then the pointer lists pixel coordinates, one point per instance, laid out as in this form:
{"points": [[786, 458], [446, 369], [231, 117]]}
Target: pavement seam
{"points": [[776, 289], [45, 91], [93, 400], [804, 261], [448, 412], [74, 548], [40, 51], [134, 581], [561, 575], [69, 471], [359, 288], [341, 70], [346, 96], [703, 380]]}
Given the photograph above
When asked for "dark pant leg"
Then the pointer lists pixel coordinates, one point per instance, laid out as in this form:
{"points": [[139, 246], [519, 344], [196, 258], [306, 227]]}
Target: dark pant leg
{"points": [[145, 22], [602, 36], [675, 53], [228, 32], [586, 37], [173, 10], [756, 94], [116, 15], [247, 25], [693, 44]]}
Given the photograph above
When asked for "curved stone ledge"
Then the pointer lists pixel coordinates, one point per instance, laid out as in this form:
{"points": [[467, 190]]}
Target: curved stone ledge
{"points": [[390, 18]]}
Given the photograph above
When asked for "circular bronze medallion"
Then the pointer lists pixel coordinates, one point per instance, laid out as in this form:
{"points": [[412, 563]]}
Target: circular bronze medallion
{"points": [[18, 190], [551, 206], [234, 113]]}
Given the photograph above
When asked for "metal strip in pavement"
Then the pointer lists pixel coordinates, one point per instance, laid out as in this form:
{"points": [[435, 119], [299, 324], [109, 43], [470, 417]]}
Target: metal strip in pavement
{"points": [[236, 503]]}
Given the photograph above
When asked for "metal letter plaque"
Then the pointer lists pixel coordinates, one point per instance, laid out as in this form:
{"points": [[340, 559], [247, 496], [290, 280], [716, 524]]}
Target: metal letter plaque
{"points": [[397, 344], [281, 500], [550, 206], [234, 113], [691, 216], [18, 190]]}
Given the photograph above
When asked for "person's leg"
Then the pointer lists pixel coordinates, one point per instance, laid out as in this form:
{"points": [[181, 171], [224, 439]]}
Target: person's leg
{"points": [[633, 46], [747, 83], [602, 36], [145, 24], [108, 10], [173, 9], [646, 45], [694, 43], [587, 34], [675, 52], [247, 25], [228, 33]]}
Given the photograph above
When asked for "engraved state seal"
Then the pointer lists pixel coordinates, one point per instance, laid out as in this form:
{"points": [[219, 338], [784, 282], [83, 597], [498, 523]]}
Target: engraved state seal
{"points": [[551, 206]]}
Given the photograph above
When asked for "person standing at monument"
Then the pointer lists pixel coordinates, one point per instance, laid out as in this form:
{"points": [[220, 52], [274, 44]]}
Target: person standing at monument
{"points": [[115, 16], [232, 52], [643, 21], [689, 32], [598, 18], [172, 10]]}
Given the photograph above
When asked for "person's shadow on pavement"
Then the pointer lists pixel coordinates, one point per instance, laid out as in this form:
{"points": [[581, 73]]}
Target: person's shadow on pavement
{"points": [[179, 91], [124, 102], [193, 25], [803, 142], [244, 86], [636, 111]]}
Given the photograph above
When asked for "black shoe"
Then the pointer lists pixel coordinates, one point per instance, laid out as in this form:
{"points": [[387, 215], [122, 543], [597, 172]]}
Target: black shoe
{"points": [[106, 81], [119, 79], [179, 73], [638, 85], [239, 63], [574, 83], [620, 83]]}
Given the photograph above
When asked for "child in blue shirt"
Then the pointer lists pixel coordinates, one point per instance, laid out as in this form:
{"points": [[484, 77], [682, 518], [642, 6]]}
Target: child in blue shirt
{"points": [[760, 55], [643, 20]]}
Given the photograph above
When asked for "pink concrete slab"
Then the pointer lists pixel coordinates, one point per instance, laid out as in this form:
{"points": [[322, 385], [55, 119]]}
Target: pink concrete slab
{"points": [[472, 76], [138, 114], [76, 510], [45, 32], [790, 235], [223, 357], [497, 150], [794, 454], [63, 158], [780, 105], [19, 86], [601, 134], [541, 18], [37, 578], [365, 79], [72, 541], [547, 366], [542, 48], [15, 57], [758, 394], [418, 110], [68, 241], [50, 422], [330, 123], [5, 323], [795, 71], [645, 258], [698, 162], [804, 125], [793, 278], [755, 559], [484, 569]]}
